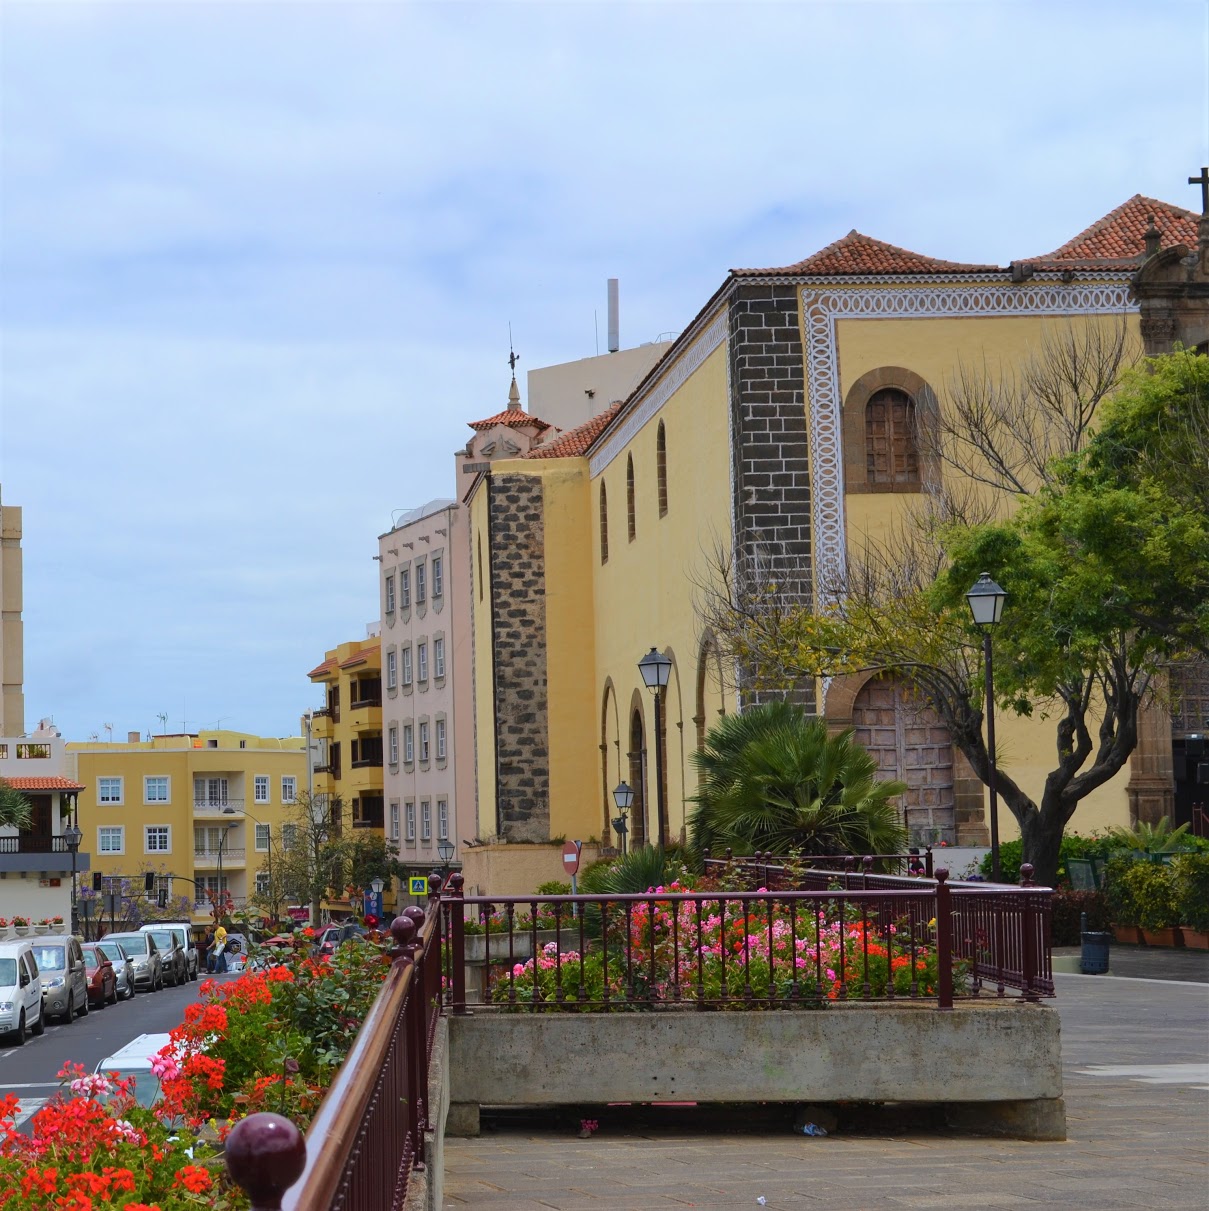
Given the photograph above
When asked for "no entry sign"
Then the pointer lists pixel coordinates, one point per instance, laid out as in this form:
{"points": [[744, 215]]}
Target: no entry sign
{"points": [[571, 856]]}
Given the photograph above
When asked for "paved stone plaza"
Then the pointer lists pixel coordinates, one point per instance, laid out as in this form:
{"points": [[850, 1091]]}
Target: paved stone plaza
{"points": [[1136, 1068]]}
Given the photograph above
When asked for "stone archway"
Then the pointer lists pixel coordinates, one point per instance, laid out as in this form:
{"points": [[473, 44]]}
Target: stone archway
{"points": [[910, 743], [637, 779]]}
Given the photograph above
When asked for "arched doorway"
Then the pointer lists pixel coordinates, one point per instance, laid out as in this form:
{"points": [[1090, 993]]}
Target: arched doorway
{"points": [[637, 779], [911, 744]]}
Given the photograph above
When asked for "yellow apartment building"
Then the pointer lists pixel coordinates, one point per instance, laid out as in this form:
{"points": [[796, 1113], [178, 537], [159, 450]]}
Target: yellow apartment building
{"points": [[779, 430], [201, 811], [347, 734]]}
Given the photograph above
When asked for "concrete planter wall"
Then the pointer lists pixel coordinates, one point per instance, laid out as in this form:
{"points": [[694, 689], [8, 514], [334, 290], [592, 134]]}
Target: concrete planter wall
{"points": [[479, 944], [997, 1065]]}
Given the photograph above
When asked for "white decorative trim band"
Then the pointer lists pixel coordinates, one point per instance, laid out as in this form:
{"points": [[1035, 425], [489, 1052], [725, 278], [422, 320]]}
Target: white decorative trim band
{"points": [[823, 305], [672, 381]]}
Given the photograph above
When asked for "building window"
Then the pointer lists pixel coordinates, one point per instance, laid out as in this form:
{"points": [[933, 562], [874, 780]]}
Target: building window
{"points": [[421, 662], [440, 739], [111, 839], [438, 576], [442, 820], [392, 669], [289, 788], [480, 567], [408, 744], [438, 658], [394, 821], [109, 790], [289, 836], [424, 741], [260, 788], [158, 839], [405, 589], [891, 447], [390, 594], [155, 790], [209, 792], [407, 666], [421, 582], [425, 820], [35, 751], [604, 525], [630, 515], [410, 816], [661, 468], [262, 882], [393, 744], [262, 841]]}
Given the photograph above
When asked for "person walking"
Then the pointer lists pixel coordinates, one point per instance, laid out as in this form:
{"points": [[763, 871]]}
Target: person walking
{"points": [[205, 947], [220, 947]]}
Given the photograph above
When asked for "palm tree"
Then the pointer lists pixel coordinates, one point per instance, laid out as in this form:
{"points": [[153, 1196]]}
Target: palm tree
{"points": [[772, 778], [15, 808]]}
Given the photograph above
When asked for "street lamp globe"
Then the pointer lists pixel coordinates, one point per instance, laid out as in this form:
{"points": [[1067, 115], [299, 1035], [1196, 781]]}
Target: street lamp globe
{"points": [[376, 884], [986, 600], [72, 836], [655, 668], [445, 851], [623, 796]]}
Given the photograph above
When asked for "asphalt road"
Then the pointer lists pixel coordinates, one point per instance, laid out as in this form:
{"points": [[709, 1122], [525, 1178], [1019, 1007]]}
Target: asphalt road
{"points": [[29, 1071]]}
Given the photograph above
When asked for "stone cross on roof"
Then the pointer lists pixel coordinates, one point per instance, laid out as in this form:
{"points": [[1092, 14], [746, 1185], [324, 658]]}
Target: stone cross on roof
{"points": [[1203, 182]]}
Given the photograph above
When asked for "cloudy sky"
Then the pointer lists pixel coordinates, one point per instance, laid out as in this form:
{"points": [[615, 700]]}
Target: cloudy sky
{"points": [[258, 261]]}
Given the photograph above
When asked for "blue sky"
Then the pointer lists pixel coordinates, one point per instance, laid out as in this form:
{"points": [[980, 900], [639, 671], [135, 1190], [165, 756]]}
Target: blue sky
{"points": [[258, 261]]}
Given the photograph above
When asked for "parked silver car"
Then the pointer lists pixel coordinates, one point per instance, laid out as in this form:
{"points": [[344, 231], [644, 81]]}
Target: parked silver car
{"points": [[172, 955], [64, 979], [144, 956], [123, 966]]}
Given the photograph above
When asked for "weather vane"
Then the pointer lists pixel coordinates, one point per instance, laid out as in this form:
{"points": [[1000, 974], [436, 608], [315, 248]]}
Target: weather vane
{"points": [[512, 357]]}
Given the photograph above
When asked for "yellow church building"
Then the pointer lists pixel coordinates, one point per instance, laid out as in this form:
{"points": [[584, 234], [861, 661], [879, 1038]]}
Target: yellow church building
{"points": [[778, 430]]}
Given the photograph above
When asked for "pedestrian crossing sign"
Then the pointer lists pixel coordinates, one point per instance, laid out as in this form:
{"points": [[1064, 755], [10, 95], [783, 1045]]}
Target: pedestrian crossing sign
{"points": [[418, 885]]}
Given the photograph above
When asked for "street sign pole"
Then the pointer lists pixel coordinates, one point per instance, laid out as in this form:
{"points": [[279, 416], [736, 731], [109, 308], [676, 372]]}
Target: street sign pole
{"points": [[571, 855]]}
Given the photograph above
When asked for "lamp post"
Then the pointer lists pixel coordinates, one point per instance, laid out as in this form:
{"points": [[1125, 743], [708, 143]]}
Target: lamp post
{"points": [[376, 884], [623, 796], [986, 600], [656, 669], [445, 852], [71, 838], [231, 811], [220, 902]]}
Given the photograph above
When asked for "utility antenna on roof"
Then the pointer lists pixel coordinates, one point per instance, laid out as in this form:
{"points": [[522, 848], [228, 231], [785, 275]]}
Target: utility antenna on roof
{"points": [[163, 718]]}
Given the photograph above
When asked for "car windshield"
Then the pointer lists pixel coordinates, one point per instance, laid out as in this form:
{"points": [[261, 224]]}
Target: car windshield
{"points": [[91, 962], [50, 958], [146, 1084], [112, 951], [163, 939], [8, 973], [135, 942]]}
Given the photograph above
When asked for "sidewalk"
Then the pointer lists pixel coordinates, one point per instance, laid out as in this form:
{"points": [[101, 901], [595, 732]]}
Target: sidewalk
{"points": [[1143, 962], [1136, 1068]]}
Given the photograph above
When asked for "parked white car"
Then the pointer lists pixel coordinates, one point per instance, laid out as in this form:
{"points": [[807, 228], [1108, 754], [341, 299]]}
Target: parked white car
{"points": [[20, 991], [184, 935], [134, 1060]]}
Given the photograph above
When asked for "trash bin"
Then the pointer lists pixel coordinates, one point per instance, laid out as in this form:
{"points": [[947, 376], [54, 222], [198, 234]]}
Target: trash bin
{"points": [[1093, 959]]}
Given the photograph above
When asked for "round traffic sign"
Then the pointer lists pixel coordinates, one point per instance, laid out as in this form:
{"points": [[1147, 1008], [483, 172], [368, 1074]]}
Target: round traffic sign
{"points": [[571, 856]]}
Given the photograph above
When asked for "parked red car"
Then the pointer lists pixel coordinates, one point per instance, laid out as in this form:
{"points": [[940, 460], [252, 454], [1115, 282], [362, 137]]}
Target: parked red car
{"points": [[102, 979]]}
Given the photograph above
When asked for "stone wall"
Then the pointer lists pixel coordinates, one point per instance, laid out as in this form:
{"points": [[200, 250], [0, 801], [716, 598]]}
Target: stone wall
{"points": [[771, 460], [518, 587]]}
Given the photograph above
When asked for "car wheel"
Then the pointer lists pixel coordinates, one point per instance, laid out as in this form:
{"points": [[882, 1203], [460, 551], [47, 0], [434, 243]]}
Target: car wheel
{"points": [[84, 1007], [113, 1000], [159, 987], [19, 1033], [130, 989], [69, 1014], [39, 1028]]}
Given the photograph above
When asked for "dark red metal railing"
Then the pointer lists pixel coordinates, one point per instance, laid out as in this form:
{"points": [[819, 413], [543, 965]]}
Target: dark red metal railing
{"points": [[367, 1139], [856, 937]]}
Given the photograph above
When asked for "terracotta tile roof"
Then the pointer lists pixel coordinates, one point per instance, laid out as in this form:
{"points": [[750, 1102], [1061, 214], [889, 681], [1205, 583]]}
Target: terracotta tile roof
{"points": [[43, 784], [1121, 234], [325, 667], [575, 442], [361, 656], [857, 254], [514, 418]]}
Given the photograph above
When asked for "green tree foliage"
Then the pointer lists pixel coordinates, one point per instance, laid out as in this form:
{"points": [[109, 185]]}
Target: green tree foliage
{"points": [[773, 779], [15, 808]]}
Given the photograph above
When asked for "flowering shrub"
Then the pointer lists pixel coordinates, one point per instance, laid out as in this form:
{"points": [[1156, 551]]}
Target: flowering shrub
{"points": [[93, 1148], [758, 954], [20, 920]]}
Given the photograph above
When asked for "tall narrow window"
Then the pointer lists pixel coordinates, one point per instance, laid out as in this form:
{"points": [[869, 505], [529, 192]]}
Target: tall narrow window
{"points": [[390, 593], [661, 468], [629, 496], [604, 525], [891, 448], [480, 567]]}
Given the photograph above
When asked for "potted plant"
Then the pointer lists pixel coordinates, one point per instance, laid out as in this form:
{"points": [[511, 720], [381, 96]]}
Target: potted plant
{"points": [[1191, 875], [20, 926], [1158, 913], [1121, 889], [3, 927]]}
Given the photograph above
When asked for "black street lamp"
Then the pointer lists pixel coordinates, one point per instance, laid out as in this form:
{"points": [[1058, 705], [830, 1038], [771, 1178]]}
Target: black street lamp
{"points": [[623, 796], [231, 811], [445, 852], [986, 600], [656, 669], [72, 836]]}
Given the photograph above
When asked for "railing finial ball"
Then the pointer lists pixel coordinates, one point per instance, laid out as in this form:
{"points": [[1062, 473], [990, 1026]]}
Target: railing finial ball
{"points": [[1026, 874], [401, 929], [265, 1155], [942, 873], [456, 882]]}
